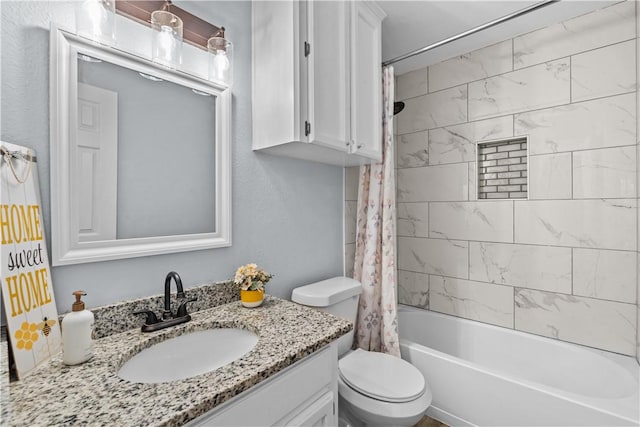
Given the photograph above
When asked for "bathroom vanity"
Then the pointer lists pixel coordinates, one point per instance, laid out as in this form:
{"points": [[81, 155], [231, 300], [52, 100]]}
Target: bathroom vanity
{"points": [[288, 378], [314, 402]]}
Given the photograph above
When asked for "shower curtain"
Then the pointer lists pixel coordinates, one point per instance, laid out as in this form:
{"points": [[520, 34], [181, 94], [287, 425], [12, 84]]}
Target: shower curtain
{"points": [[375, 267]]}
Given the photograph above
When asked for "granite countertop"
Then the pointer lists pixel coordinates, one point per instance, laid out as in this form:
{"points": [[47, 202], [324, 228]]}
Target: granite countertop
{"points": [[93, 394]]}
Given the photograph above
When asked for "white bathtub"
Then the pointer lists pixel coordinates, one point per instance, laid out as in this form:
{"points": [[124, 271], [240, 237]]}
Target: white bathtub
{"points": [[485, 375]]}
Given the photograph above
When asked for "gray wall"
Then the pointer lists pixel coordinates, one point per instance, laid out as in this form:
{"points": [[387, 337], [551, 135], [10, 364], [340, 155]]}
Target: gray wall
{"points": [[287, 214]]}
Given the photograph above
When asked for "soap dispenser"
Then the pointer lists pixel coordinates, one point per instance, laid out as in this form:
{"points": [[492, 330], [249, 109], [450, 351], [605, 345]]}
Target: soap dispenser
{"points": [[77, 333]]}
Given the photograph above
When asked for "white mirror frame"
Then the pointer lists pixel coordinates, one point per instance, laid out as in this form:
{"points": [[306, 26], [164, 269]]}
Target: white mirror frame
{"points": [[65, 245]]}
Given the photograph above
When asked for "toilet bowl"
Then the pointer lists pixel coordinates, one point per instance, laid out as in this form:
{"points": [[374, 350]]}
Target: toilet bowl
{"points": [[374, 389], [377, 389]]}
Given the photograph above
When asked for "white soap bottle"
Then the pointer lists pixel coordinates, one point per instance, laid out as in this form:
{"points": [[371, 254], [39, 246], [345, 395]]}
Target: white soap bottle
{"points": [[77, 333]]}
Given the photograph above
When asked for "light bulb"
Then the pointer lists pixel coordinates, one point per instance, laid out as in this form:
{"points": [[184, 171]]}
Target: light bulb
{"points": [[95, 14], [220, 66], [166, 43], [94, 19]]}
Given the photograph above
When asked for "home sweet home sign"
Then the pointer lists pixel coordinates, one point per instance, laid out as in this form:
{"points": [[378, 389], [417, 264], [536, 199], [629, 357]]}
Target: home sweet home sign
{"points": [[27, 291]]}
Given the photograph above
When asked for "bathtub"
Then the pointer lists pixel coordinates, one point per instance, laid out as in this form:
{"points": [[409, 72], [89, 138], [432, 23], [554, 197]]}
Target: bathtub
{"points": [[485, 375]]}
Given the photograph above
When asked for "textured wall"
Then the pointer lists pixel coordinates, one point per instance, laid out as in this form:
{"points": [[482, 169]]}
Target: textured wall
{"points": [[563, 263], [287, 214]]}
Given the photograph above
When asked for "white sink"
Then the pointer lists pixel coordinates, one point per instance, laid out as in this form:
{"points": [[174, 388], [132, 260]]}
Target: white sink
{"points": [[188, 355]]}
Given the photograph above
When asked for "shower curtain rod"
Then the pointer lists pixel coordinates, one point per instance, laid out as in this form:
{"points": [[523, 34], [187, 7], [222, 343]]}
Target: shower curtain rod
{"points": [[490, 24]]}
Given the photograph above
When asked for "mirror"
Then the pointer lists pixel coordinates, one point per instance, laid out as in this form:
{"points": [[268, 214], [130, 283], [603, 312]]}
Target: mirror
{"points": [[139, 156]]}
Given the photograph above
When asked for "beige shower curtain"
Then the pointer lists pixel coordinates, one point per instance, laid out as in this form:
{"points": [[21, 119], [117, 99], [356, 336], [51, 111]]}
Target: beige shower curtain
{"points": [[377, 324]]}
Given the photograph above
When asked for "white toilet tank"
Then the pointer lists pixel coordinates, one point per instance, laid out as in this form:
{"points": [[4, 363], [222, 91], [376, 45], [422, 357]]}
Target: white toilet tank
{"points": [[338, 296]]}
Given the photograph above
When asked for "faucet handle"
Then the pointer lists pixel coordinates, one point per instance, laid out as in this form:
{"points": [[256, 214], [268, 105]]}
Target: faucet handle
{"points": [[182, 308], [151, 316]]}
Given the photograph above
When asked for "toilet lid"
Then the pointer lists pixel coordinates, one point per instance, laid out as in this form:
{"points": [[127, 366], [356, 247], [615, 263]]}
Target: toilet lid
{"points": [[381, 376]]}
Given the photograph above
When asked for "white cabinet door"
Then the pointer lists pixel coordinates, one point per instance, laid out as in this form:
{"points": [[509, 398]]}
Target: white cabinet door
{"points": [[301, 395], [319, 414], [366, 82], [278, 73], [328, 73], [316, 80]]}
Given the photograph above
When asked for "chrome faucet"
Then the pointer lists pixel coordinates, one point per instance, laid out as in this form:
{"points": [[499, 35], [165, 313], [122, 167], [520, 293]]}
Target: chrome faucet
{"points": [[166, 314], [152, 323]]}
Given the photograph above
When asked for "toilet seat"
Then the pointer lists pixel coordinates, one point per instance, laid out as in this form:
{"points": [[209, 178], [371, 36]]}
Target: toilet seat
{"points": [[381, 376]]}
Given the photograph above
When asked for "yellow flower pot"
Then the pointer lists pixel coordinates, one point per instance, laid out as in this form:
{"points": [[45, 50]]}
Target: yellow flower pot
{"points": [[251, 298]]}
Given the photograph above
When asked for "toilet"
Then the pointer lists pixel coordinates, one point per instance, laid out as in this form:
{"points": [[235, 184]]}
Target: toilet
{"points": [[374, 389]]}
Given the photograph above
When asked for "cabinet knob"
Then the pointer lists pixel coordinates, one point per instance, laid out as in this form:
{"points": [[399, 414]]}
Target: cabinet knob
{"points": [[359, 146]]}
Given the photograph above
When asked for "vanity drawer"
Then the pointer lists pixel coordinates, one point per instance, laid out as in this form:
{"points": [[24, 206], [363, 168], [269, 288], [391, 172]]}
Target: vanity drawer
{"points": [[280, 397]]}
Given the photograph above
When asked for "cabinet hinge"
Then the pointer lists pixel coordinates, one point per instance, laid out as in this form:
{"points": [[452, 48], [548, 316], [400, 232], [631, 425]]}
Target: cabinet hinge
{"points": [[307, 49], [334, 407], [307, 128]]}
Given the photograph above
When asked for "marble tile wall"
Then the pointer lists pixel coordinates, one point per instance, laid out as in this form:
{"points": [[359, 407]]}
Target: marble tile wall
{"points": [[562, 263], [350, 215], [638, 184]]}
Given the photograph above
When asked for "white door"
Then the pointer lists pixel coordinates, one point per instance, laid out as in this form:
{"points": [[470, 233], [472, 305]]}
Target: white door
{"points": [[328, 73], [366, 82], [96, 154]]}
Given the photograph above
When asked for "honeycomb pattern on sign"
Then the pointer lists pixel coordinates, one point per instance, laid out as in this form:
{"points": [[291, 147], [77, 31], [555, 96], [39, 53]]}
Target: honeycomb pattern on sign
{"points": [[26, 336]]}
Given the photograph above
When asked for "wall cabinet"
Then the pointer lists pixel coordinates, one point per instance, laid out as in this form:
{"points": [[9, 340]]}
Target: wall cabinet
{"points": [[304, 394], [317, 91]]}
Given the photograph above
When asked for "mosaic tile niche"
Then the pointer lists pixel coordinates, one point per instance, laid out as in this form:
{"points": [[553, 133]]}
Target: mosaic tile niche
{"points": [[502, 169]]}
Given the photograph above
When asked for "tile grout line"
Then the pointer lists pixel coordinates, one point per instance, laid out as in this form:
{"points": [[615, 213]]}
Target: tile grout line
{"points": [[517, 243], [572, 292], [427, 79], [513, 54], [514, 309], [530, 155], [571, 79], [571, 172], [468, 114], [593, 199], [520, 112], [504, 285]]}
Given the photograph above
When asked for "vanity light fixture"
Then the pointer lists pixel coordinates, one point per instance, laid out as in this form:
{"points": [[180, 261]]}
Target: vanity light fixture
{"points": [[96, 19], [167, 37], [221, 60], [171, 26]]}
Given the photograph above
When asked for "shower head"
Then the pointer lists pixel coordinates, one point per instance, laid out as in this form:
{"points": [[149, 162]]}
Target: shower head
{"points": [[397, 107]]}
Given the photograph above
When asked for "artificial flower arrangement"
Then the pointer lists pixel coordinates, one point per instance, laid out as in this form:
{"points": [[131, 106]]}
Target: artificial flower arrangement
{"points": [[251, 278], [251, 281]]}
